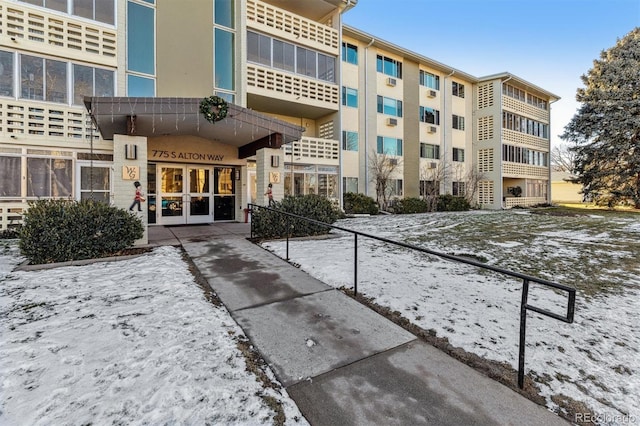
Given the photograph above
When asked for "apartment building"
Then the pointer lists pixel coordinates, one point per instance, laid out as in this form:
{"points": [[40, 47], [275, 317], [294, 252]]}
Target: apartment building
{"points": [[440, 130], [95, 95]]}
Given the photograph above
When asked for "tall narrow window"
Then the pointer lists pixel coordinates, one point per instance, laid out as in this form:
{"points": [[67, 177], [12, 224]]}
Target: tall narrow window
{"points": [[224, 13], [31, 78], [140, 38], [224, 59], [6, 73], [56, 84]]}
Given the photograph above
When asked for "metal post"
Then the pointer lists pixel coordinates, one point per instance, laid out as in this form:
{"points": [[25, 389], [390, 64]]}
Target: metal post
{"points": [[288, 220], [523, 327], [250, 207], [355, 265]]}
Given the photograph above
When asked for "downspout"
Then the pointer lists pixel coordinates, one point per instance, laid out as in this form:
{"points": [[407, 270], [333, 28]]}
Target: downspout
{"points": [[502, 197], [366, 110], [339, 135], [444, 132], [549, 156]]}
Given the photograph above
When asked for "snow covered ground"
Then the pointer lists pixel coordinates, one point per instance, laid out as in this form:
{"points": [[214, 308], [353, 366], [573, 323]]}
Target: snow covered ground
{"points": [[128, 342], [595, 360]]}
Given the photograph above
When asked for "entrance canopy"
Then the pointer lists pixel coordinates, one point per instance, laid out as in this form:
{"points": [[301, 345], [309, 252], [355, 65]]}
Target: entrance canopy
{"points": [[243, 128]]}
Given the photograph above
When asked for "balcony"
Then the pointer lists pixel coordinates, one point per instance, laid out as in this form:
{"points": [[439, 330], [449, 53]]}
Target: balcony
{"points": [[525, 109], [517, 170], [510, 202], [36, 31], [290, 94], [313, 150], [289, 26], [45, 120]]}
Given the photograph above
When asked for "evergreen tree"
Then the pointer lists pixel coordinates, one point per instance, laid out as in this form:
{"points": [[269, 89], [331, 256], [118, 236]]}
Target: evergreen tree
{"points": [[605, 132]]}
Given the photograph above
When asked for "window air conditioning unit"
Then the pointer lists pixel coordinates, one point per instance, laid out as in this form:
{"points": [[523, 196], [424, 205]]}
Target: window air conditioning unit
{"points": [[391, 82], [392, 121], [432, 129], [431, 94], [432, 165], [393, 161]]}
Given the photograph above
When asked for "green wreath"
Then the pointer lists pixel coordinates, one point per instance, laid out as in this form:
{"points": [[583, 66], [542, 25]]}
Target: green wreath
{"points": [[214, 108]]}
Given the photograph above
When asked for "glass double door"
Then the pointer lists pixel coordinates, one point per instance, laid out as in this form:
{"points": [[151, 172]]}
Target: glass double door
{"points": [[195, 194]]}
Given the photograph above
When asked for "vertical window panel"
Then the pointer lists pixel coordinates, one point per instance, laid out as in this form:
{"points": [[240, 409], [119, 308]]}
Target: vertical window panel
{"points": [[6, 73], [140, 86], [224, 59], [31, 78], [140, 38], [56, 84], [224, 13]]}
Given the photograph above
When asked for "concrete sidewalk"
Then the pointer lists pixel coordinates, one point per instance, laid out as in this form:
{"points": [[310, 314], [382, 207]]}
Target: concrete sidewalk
{"points": [[341, 362]]}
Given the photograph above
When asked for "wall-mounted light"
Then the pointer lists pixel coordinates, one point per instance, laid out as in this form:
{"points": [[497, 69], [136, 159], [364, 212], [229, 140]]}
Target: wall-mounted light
{"points": [[14, 137], [131, 152], [237, 174], [13, 39], [275, 161]]}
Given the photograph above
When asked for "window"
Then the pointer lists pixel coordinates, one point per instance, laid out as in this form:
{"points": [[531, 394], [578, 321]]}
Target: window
{"points": [[350, 97], [513, 92], [305, 62], [6, 73], [429, 115], [49, 177], [223, 13], [140, 38], [394, 187], [31, 77], [88, 81], [429, 151], [458, 154], [95, 183], [264, 50], [284, 56], [389, 66], [521, 124], [389, 146], [457, 89], [349, 141], [429, 188], [349, 184], [458, 189], [140, 86], [10, 172], [224, 59], [429, 80], [326, 68], [536, 101], [56, 84], [389, 106], [258, 48], [350, 53], [516, 154], [98, 10], [458, 122]]}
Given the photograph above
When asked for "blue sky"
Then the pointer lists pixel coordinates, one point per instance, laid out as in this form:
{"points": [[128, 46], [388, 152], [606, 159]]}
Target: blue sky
{"points": [[550, 43]]}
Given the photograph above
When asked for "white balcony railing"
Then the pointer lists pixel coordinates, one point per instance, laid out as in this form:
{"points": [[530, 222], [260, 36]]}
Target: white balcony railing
{"points": [[37, 30], [284, 24], [510, 202], [291, 87], [315, 150], [46, 120]]}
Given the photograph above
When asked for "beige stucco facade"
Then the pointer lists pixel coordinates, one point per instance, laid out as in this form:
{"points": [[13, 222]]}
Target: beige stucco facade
{"points": [[184, 66]]}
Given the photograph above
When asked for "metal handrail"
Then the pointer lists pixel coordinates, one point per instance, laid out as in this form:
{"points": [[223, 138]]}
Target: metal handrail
{"points": [[526, 279]]}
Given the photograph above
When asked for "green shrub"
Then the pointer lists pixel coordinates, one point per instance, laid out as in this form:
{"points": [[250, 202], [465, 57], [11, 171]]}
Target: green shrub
{"points": [[409, 205], [10, 233], [356, 203], [451, 203], [63, 230], [271, 224]]}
